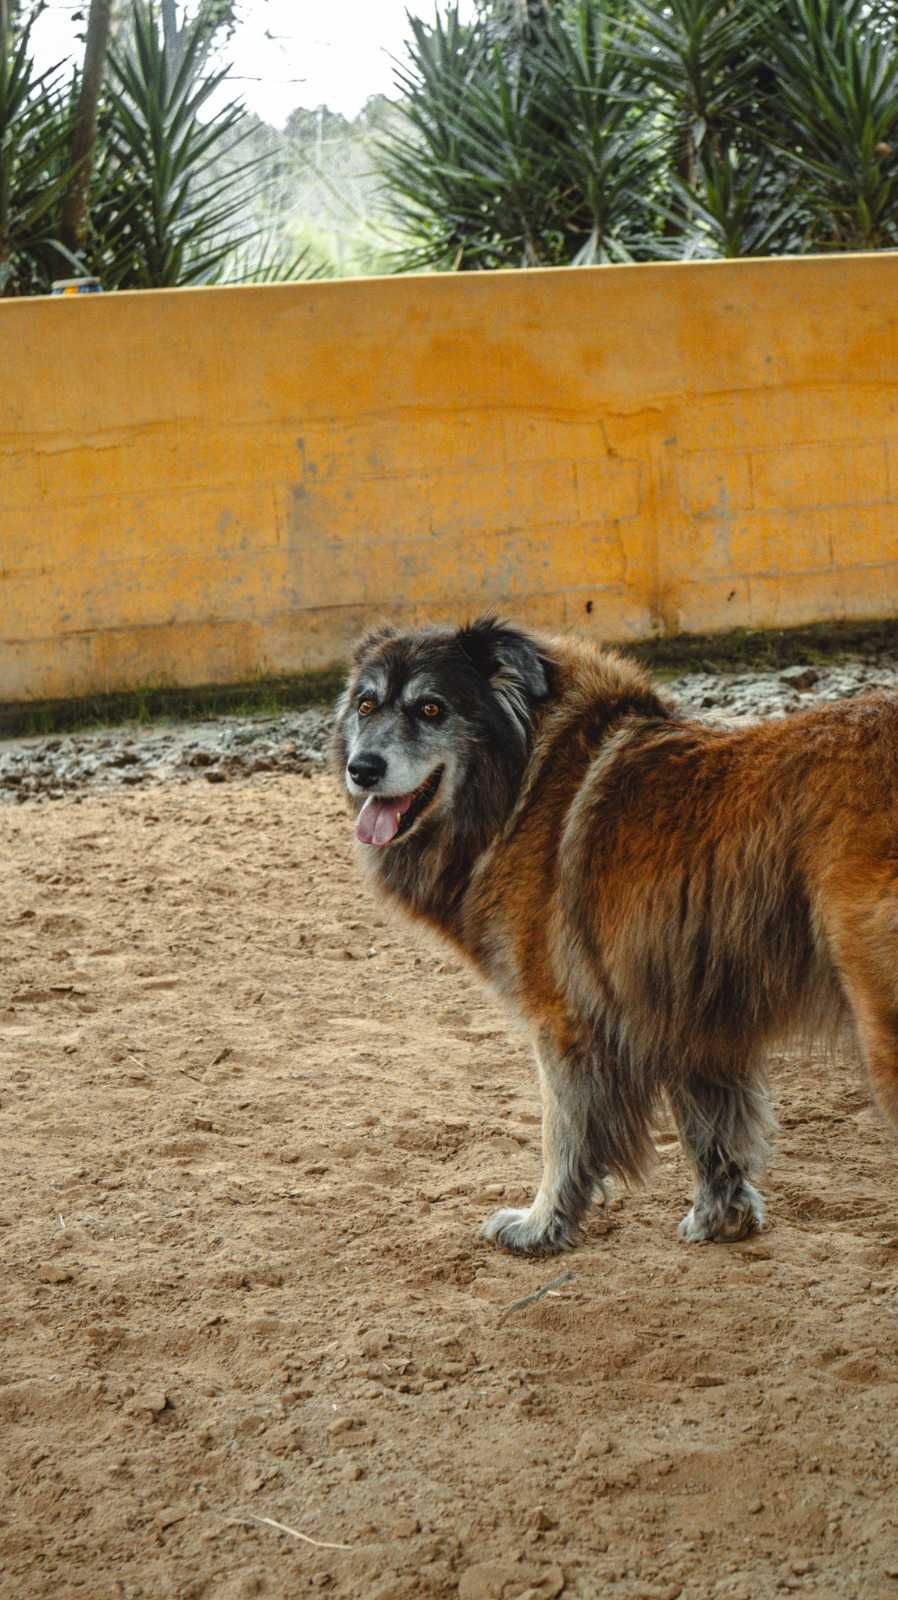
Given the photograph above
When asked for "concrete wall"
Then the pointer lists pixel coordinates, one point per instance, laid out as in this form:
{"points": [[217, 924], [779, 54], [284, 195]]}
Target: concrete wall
{"points": [[206, 485]]}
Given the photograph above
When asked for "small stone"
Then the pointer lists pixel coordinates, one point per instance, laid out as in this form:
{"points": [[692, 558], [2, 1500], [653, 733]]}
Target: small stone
{"points": [[800, 678], [341, 1425], [215, 775], [51, 1274], [506, 1580], [169, 1515], [548, 1585], [593, 1443], [153, 1401], [490, 1580], [754, 1507], [539, 1518], [405, 1528]]}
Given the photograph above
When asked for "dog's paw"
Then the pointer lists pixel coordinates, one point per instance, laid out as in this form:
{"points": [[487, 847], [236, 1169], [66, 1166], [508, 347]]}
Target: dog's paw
{"points": [[711, 1223], [529, 1234]]}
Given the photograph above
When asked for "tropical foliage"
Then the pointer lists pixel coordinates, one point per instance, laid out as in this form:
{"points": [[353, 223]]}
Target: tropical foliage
{"points": [[174, 197], [566, 131], [545, 132], [35, 137]]}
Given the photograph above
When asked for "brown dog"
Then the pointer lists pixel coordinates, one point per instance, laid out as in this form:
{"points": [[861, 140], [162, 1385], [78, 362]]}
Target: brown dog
{"points": [[658, 898]]}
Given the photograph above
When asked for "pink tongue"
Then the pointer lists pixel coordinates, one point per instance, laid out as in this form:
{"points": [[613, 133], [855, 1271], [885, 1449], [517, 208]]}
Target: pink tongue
{"points": [[378, 820]]}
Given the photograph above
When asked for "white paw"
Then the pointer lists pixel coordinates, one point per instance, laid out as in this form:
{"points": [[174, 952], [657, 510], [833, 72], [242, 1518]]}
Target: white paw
{"points": [[529, 1234], [693, 1231], [709, 1224]]}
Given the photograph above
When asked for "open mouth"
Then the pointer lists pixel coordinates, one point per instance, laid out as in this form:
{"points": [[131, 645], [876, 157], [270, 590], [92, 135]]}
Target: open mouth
{"points": [[384, 818]]}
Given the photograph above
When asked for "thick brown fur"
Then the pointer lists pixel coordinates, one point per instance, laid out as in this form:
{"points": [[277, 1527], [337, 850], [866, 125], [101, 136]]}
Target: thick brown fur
{"points": [[660, 900]]}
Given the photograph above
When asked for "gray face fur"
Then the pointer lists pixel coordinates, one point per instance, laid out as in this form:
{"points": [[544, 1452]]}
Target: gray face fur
{"points": [[439, 721], [412, 746]]}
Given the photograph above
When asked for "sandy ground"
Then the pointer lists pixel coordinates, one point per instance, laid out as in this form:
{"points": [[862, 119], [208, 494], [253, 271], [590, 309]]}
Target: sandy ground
{"points": [[249, 1129]]}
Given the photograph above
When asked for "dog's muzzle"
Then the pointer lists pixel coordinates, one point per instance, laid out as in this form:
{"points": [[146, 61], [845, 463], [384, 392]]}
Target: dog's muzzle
{"points": [[384, 818], [366, 770]]}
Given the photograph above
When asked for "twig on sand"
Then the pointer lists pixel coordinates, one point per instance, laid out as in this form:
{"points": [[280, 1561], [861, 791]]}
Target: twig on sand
{"points": [[538, 1294], [320, 1544]]}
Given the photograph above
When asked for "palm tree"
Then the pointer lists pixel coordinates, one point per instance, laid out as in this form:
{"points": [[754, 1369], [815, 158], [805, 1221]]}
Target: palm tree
{"points": [[84, 136]]}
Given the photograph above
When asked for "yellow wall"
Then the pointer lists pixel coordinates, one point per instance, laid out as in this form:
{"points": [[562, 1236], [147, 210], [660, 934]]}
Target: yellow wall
{"points": [[206, 485]]}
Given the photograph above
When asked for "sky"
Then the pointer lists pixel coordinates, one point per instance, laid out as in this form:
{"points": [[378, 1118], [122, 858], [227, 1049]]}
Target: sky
{"points": [[321, 52]]}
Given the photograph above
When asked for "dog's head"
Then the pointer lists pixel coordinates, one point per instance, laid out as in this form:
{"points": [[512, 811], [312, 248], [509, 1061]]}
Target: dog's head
{"points": [[434, 727]]}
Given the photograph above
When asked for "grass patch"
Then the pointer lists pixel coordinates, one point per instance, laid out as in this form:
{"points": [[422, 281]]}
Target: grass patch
{"points": [[742, 650], [766, 650], [267, 697]]}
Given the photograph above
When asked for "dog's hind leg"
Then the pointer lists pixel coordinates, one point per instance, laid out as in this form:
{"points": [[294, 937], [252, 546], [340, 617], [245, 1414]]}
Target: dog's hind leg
{"points": [[725, 1126], [865, 930], [587, 1134], [875, 1013]]}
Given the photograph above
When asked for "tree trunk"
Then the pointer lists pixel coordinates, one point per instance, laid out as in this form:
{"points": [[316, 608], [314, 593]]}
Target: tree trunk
{"points": [[74, 205]]}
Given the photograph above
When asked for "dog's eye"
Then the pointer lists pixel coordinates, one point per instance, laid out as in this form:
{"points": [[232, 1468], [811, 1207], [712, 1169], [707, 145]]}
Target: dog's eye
{"points": [[366, 706], [430, 709]]}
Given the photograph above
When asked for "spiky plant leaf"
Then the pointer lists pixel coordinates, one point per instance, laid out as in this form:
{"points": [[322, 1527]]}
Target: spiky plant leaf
{"points": [[834, 116], [163, 214], [35, 169]]}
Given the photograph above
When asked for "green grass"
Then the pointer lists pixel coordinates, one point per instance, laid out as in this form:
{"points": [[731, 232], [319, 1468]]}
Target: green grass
{"points": [[150, 703], [765, 650], [742, 650]]}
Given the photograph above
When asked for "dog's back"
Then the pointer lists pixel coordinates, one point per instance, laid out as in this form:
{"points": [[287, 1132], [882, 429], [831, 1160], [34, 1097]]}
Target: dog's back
{"points": [[698, 878]]}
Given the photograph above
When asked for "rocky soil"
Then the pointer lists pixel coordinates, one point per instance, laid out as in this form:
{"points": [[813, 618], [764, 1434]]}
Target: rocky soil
{"points": [[132, 756], [224, 748]]}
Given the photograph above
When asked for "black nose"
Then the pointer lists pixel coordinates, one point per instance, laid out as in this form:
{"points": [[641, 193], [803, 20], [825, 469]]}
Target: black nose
{"points": [[366, 770]]}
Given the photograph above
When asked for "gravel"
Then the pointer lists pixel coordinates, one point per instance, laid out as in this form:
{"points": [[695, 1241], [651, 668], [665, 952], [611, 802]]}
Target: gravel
{"points": [[214, 751], [226, 748]]}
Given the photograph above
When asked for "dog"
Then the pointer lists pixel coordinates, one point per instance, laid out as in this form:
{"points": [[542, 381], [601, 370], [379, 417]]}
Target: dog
{"points": [[658, 899]]}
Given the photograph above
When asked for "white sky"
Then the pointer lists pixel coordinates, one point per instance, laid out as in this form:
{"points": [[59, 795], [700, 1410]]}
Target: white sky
{"points": [[330, 52]]}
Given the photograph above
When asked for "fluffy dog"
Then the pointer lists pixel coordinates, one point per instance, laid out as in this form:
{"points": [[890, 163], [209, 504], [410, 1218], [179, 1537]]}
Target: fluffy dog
{"points": [[657, 898]]}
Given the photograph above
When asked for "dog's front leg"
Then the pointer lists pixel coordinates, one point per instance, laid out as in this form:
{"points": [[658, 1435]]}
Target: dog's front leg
{"points": [[570, 1161]]}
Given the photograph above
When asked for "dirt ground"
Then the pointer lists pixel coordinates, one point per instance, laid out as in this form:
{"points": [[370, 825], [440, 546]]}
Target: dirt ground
{"points": [[249, 1129]]}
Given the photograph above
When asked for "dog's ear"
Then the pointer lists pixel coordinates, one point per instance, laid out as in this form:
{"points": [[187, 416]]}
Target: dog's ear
{"points": [[379, 634], [506, 656]]}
